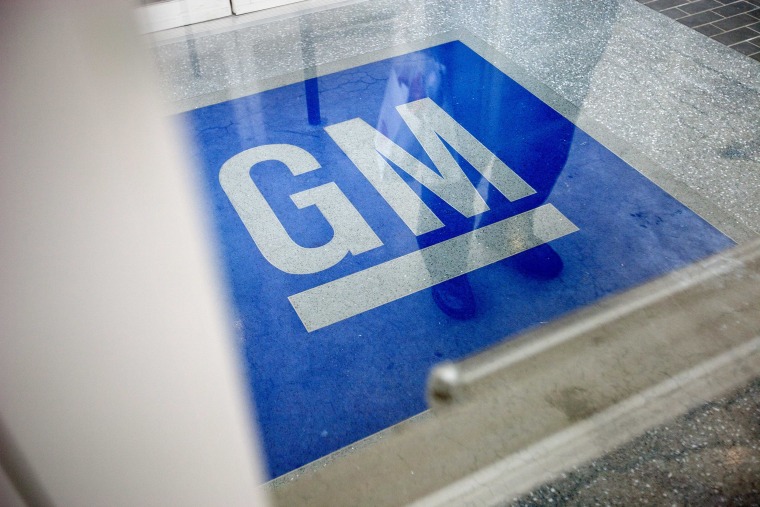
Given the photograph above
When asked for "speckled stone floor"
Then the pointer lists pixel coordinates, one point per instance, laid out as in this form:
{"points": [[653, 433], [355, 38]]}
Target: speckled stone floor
{"points": [[709, 456], [657, 88]]}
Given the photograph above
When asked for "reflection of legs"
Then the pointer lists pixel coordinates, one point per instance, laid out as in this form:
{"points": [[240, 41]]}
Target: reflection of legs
{"points": [[540, 262], [537, 259], [455, 298]]}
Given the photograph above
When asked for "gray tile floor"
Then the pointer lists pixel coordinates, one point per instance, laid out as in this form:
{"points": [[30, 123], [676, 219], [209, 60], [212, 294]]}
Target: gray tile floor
{"points": [[733, 23]]}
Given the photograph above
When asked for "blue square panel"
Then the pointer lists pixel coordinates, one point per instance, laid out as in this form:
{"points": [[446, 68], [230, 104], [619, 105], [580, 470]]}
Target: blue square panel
{"points": [[376, 221]]}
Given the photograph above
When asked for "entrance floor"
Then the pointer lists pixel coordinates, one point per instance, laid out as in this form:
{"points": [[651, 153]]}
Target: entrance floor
{"points": [[396, 185]]}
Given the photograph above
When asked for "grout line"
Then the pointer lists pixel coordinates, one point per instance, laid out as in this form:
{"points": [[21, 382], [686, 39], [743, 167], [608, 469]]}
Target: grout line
{"points": [[678, 14]]}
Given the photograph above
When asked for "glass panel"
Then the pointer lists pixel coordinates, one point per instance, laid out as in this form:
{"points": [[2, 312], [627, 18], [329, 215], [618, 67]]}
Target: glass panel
{"points": [[398, 186], [430, 208]]}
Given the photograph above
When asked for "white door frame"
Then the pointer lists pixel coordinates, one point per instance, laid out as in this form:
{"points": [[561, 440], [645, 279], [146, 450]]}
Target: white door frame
{"points": [[174, 13], [246, 6]]}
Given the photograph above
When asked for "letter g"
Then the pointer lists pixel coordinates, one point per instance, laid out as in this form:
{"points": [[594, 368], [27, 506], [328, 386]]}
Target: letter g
{"points": [[351, 233]]}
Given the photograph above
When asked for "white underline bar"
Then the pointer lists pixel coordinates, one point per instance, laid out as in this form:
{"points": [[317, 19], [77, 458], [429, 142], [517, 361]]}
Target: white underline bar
{"points": [[364, 290]]}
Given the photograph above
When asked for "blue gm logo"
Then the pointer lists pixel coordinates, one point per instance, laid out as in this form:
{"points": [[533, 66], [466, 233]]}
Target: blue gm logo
{"points": [[438, 208], [372, 153]]}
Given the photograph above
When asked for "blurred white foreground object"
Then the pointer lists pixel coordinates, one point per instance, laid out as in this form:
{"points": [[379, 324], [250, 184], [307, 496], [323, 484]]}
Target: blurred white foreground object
{"points": [[119, 383]]}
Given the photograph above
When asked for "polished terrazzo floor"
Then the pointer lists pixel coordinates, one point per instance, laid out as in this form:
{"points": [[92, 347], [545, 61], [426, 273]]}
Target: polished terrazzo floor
{"points": [[670, 102], [710, 456]]}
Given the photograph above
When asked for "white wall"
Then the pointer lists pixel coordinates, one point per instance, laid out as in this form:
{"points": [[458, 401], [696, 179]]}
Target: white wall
{"points": [[118, 378]]}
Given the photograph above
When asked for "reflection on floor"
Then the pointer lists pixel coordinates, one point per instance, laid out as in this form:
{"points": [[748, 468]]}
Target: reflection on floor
{"points": [[616, 69], [733, 23], [415, 269]]}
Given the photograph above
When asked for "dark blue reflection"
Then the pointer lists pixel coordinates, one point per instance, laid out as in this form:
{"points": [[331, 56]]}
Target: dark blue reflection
{"points": [[311, 86], [316, 392]]}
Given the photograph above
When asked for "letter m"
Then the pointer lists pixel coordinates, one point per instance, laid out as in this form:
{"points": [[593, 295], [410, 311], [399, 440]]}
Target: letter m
{"points": [[370, 151]]}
